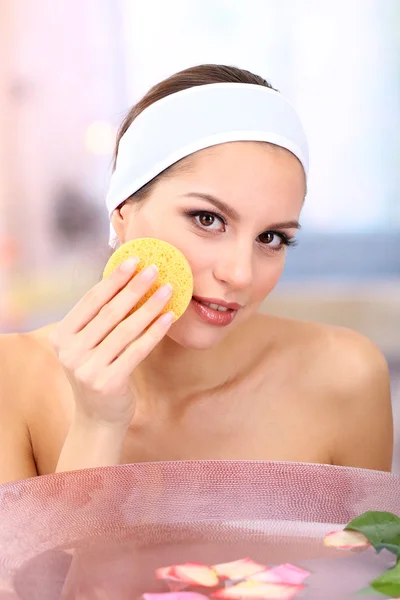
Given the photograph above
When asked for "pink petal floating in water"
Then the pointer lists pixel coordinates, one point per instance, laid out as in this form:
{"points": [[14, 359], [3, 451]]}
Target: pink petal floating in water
{"points": [[189, 573], [265, 577], [285, 573], [196, 574], [171, 580], [238, 569], [163, 572], [346, 540], [255, 590], [175, 585], [175, 596]]}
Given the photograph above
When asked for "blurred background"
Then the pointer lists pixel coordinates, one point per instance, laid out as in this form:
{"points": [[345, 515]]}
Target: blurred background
{"points": [[69, 71]]}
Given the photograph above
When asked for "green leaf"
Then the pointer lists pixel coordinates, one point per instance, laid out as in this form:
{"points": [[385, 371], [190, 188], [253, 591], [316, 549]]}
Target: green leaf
{"points": [[389, 582], [382, 530]]}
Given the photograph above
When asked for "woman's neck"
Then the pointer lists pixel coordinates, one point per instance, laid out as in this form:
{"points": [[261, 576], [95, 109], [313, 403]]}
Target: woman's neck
{"points": [[176, 375], [175, 372]]}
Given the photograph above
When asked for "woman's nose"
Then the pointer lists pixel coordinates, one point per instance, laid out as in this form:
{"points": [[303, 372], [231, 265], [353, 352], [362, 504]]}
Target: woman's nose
{"points": [[235, 267]]}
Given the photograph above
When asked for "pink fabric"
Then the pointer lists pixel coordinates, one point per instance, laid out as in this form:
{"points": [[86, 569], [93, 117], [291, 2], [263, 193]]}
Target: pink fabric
{"points": [[102, 533]]}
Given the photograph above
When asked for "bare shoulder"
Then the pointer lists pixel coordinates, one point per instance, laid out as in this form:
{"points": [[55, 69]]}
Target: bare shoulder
{"points": [[337, 350], [23, 354], [344, 359], [348, 373], [29, 368], [358, 374], [26, 360], [339, 355]]}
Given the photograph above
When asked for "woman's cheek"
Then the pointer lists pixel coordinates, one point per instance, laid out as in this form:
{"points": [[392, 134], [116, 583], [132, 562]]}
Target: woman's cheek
{"points": [[200, 256], [267, 281]]}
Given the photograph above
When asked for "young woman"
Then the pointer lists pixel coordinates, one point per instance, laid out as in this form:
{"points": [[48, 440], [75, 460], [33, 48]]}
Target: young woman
{"points": [[214, 161]]}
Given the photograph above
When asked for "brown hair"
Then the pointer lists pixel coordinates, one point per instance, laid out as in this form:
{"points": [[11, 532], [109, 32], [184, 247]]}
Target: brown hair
{"points": [[194, 76]]}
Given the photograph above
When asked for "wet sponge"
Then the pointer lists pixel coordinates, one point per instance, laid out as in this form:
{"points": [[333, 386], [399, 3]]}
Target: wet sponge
{"points": [[172, 266]]}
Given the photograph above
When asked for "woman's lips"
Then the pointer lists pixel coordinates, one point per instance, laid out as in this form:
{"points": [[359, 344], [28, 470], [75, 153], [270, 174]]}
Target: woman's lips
{"points": [[232, 305], [213, 316]]}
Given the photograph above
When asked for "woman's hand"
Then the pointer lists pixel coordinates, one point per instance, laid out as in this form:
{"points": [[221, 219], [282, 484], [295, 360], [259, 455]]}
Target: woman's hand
{"points": [[99, 348]]}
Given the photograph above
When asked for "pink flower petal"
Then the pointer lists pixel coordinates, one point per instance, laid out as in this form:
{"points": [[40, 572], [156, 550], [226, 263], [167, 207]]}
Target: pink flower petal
{"points": [[238, 569], [266, 577], [175, 596], [163, 572], [346, 540], [174, 583], [254, 590], [285, 573], [195, 574]]}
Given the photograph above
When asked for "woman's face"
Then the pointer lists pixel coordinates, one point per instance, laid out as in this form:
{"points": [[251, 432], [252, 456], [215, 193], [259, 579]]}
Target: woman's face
{"points": [[231, 209]]}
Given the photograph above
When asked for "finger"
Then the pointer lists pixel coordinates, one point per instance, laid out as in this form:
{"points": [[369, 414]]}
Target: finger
{"points": [[89, 306], [141, 348], [134, 326], [116, 310]]}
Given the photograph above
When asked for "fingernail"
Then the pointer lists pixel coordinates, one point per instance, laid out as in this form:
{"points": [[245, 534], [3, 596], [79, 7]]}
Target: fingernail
{"points": [[167, 318], [149, 273], [129, 264], [164, 291]]}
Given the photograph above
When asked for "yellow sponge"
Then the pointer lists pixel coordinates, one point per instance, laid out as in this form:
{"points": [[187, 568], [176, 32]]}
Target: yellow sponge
{"points": [[172, 266]]}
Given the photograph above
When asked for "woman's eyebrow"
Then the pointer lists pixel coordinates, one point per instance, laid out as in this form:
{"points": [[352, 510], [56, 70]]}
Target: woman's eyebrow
{"points": [[285, 225], [228, 210], [234, 215]]}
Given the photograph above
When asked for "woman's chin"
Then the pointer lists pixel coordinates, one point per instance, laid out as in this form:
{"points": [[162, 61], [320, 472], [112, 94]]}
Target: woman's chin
{"points": [[196, 336], [194, 340]]}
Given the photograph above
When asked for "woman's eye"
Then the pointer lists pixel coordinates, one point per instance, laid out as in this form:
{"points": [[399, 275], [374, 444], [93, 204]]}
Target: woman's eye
{"points": [[271, 239], [208, 221]]}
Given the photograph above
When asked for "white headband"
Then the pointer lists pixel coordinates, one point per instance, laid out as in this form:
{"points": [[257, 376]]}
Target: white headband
{"points": [[197, 118]]}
